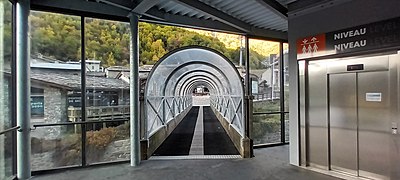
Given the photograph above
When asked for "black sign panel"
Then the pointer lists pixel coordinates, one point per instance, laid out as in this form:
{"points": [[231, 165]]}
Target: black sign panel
{"points": [[365, 37], [371, 36]]}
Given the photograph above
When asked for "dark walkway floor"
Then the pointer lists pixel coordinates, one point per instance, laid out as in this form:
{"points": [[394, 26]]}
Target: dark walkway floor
{"points": [[216, 141], [269, 164], [179, 141]]}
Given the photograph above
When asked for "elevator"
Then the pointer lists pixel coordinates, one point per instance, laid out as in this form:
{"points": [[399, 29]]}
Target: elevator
{"points": [[350, 115], [359, 121]]}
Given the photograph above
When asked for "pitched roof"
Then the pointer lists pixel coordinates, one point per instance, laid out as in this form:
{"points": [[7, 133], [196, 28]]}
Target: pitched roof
{"points": [[72, 80]]}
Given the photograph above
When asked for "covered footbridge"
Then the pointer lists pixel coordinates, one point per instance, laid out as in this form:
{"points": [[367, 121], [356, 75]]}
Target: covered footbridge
{"points": [[169, 99]]}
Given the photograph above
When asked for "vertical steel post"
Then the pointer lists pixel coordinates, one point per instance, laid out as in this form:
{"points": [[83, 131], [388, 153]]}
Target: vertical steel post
{"points": [[23, 87], [248, 106], [13, 98], [282, 91], [241, 52], [142, 119], [248, 88], [134, 89], [83, 91]]}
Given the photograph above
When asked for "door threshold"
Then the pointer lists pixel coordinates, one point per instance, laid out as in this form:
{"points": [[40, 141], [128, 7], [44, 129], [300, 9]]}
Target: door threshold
{"points": [[193, 157], [338, 174]]}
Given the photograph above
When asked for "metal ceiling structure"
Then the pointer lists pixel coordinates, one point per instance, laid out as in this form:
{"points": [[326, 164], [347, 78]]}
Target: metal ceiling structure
{"points": [[255, 18]]}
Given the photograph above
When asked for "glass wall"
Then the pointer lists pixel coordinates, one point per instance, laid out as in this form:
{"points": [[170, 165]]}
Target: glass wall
{"points": [[64, 136], [107, 90], [268, 81], [7, 156], [55, 90]]}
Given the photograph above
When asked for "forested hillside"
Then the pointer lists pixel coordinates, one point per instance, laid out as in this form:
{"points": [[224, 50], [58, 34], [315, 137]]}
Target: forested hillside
{"points": [[58, 36], [264, 48]]}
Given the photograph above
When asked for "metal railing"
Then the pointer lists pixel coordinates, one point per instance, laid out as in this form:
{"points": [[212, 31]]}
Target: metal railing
{"points": [[266, 96], [99, 113], [162, 109], [231, 107]]}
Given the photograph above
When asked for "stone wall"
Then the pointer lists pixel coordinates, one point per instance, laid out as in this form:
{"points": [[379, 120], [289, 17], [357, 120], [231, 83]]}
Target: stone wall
{"points": [[55, 105], [55, 111], [118, 150]]}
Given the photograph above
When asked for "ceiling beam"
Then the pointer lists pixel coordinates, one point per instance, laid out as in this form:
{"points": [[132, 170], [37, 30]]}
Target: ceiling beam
{"points": [[216, 14], [145, 5], [266, 34], [124, 4], [79, 6], [154, 15], [183, 21], [275, 7]]}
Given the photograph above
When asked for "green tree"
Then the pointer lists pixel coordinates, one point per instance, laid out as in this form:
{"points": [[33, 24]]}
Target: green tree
{"points": [[110, 60], [58, 36]]}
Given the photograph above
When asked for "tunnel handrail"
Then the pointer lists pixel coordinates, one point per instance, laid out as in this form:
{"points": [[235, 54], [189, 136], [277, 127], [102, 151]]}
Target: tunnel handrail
{"points": [[228, 108], [169, 107]]}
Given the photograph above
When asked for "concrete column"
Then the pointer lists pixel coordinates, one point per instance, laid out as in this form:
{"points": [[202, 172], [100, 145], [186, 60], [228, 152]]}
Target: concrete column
{"points": [[23, 91], [134, 90]]}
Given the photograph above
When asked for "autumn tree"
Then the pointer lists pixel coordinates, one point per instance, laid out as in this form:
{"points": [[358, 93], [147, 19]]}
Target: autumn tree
{"points": [[59, 36]]}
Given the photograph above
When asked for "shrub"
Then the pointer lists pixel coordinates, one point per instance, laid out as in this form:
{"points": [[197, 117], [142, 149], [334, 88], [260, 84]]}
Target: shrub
{"points": [[102, 138]]}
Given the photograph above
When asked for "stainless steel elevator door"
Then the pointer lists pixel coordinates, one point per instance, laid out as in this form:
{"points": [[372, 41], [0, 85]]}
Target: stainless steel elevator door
{"points": [[343, 122], [374, 124], [359, 117]]}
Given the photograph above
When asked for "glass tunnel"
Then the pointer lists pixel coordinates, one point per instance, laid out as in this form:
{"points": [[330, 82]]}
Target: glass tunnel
{"points": [[172, 80]]}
